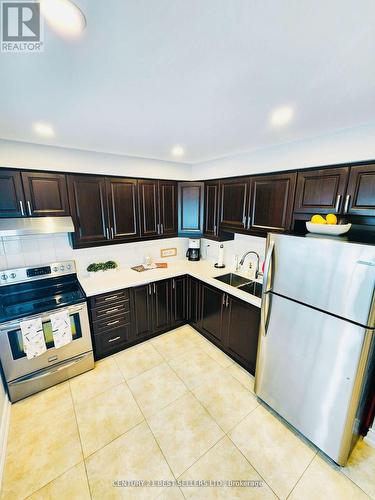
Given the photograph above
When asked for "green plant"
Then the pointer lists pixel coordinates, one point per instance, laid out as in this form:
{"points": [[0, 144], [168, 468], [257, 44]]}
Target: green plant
{"points": [[101, 266], [110, 264]]}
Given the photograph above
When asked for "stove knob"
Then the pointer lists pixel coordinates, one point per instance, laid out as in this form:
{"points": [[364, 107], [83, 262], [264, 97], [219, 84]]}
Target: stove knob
{"points": [[55, 269], [62, 268], [13, 275], [68, 266], [4, 277]]}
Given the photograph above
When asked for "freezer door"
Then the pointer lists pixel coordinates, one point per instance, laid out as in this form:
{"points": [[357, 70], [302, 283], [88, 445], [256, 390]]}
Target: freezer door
{"points": [[334, 276], [310, 369]]}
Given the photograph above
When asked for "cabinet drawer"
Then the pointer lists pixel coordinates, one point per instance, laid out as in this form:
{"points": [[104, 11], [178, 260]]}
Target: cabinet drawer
{"points": [[106, 324], [110, 311], [109, 341], [109, 298]]}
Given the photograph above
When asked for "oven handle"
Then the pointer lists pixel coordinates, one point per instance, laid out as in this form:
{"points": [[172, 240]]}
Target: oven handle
{"points": [[15, 323], [62, 366]]}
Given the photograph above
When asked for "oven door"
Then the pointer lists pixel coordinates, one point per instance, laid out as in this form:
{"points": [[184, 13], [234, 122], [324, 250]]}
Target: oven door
{"points": [[14, 361]]}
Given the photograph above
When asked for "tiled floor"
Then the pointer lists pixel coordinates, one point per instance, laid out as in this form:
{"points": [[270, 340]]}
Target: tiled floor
{"points": [[171, 408]]}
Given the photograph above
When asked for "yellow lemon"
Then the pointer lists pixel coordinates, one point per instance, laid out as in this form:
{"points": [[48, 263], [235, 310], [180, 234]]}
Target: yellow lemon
{"points": [[331, 219], [318, 219]]}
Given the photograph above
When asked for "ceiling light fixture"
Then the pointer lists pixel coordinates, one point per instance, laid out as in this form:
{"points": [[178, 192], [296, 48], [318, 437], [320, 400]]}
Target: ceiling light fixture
{"points": [[43, 129], [64, 17], [281, 116], [178, 151]]}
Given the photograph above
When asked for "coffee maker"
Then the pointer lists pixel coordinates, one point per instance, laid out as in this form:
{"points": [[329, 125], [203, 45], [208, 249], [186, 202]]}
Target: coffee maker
{"points": [[193, 252]]}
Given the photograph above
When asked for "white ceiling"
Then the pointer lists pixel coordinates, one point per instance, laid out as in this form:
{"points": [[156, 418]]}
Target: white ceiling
{"points": [[205, 74]]}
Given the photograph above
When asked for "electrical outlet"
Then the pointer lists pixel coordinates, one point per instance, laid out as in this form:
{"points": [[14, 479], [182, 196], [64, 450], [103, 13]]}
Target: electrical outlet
{"points": [[168, 252]]}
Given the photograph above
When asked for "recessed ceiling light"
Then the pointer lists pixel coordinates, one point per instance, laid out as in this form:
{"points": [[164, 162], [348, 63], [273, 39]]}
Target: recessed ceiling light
{"points": [[64, 17], [281, 116], [178, 151], [43, 129]]}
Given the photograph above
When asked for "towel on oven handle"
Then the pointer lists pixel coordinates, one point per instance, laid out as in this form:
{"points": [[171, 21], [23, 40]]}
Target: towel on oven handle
{"points": [[34, 343], [61, 328]]}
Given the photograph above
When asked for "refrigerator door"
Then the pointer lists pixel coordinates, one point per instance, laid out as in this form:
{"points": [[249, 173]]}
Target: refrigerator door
{"points": [[331, 275], [310, 369]]}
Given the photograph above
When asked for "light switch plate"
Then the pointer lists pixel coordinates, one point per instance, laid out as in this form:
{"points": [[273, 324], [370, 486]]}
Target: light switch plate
{"points": [[168, 252]]}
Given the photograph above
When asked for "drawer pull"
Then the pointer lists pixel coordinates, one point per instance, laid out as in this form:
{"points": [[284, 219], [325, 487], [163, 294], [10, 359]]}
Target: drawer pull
{"points": [[113, 340], [112, 297], [113, 322], [112, 310]]}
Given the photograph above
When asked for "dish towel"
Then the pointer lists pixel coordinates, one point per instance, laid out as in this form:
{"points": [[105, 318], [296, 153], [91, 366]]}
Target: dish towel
{"points": [[61, 328], [34, 343]]}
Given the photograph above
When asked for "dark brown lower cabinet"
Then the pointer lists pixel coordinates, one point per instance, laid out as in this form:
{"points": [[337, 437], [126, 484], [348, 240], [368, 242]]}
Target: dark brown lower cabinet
{"points": [[179, 300], [194, 303], [212, 303], [142, 299], [152, 309], [161, 307]]}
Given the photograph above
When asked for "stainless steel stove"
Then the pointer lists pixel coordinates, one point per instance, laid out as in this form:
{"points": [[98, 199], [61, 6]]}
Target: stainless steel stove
{"points": [[33, 292]]}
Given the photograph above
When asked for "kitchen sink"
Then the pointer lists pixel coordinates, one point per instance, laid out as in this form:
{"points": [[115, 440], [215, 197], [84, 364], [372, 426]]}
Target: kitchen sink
{"points": [[253, 287], [232, 279]]}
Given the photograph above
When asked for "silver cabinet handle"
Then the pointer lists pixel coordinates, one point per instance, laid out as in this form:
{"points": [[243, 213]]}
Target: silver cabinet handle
{"points": [[113, 322], [215, 229], [161, 228], [244, 221], [22, 210], [338, 203], [173, 283], [112, 310], [112, 297], [223, 301], [29, 208], [248, 222], [149, 289], [112, 233], [113, 340], [346, 206], [158, 229], [107, 233], [154, 288]]}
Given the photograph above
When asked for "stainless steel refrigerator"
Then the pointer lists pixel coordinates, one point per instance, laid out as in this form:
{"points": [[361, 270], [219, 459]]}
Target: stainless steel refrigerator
{"points": [[316, 342]]}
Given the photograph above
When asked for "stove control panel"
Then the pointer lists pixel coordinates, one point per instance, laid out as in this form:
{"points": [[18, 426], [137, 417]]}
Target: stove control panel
{"points": [[23, 274]]}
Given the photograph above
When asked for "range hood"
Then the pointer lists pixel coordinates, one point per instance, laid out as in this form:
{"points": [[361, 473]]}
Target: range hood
{"points": [[27, 226]]}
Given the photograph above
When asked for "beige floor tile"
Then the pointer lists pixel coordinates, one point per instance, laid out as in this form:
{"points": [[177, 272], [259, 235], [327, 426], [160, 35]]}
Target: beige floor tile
{"points": [[275, 452], [175, 343], [184, 431], [227, 401], [133, 456], [138, 359], [321, 481], [72, 485], [242, 376], [216, 354], [106, 416], [361, 467], [195, 367], [224, 462], [156, 388], [105, 375], [40, 453]]}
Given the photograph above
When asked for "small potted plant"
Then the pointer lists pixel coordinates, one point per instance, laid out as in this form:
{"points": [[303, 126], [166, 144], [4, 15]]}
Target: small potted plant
{"points": [[96, 267]]}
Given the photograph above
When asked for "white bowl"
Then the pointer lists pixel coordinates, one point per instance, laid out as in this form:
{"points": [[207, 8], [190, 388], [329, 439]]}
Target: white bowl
{"points": [[333, 229]]}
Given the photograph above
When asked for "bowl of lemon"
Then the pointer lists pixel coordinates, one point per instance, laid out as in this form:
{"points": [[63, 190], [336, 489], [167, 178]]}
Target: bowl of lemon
{"points": [[328, 225]]}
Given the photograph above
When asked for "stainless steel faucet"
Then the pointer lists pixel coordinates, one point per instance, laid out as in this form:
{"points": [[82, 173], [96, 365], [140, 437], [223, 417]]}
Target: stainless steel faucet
{"points": [[258, 258]]}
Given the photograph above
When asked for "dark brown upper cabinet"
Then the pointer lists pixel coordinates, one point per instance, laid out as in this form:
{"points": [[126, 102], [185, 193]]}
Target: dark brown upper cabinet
{"points": [[271, 202], [12, 201], [211, 208], [88, 203], [321, 191], [233, 201], [158, 208], [190, 206], [123, 208], [360, 195], [45, 194], [168, 207]]}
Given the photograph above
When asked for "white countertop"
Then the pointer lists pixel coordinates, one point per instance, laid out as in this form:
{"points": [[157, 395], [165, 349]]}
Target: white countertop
{"points": [[203, 270]]}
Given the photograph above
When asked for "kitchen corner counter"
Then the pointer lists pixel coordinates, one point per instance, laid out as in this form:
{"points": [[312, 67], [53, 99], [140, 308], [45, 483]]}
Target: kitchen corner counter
{"points": [[126, 277]]}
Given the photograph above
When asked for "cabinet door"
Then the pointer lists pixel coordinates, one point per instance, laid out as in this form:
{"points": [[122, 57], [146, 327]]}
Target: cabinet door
{"points": [[194, 312], [123, 208], [211, 208], [321, 191], [213, 301], [149, 208], [12, 202], [233, 201], [190, 208], [168, 207], [271, 205], [88, 203], [179, 300], [361, 191], [46, 194], [142, 318], [242, 332], [162, 305]]}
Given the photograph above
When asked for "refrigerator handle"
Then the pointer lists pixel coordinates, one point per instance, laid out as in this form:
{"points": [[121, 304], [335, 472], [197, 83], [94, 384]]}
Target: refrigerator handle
{"points": [[265, 312], [267, 267]]}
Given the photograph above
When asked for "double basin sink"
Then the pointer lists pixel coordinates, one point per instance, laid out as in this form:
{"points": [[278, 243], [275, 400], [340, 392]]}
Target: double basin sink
{"points": [[241, 283]]}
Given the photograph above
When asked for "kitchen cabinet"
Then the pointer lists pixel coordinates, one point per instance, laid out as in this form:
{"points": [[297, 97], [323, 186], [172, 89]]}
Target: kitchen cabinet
{"points": [[212, 307], [211, 208], [194, 302], [12, 201], [271, 202], [242, 330], [168, 208], [234, 195], [321, 191], [149, 208], [190, 208], [45, 194], [123, 208], [179, 300], [142, 311], [161, 305], [360, 194]]}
